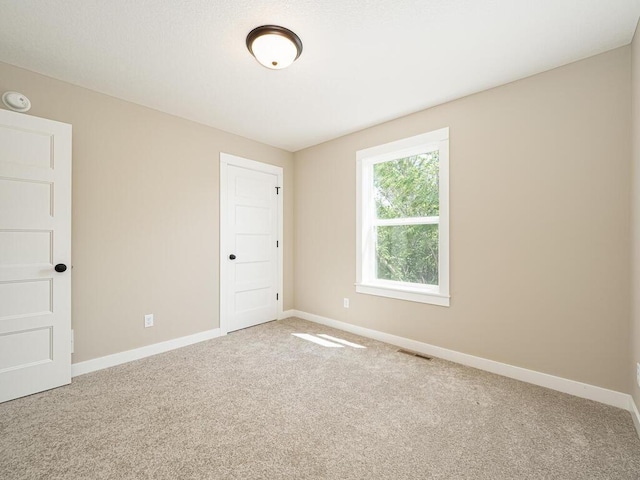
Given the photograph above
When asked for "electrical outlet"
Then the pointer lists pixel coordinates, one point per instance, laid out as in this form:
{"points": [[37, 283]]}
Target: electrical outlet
{"points": [[638, 373], [148, 320], [345, 302]]}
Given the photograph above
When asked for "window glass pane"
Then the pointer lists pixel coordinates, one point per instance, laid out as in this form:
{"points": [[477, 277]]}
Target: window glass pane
{"points": [[407, 187], [408, 253]]}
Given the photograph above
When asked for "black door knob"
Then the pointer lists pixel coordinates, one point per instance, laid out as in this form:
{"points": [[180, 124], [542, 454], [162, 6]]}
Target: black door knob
{"points": [[61, 267], [232, 257]]}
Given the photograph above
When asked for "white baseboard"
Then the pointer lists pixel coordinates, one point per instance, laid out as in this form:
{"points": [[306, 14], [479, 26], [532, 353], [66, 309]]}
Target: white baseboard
{"points": [[123, 357], [287, 314], [583, 390], [633, 408]]}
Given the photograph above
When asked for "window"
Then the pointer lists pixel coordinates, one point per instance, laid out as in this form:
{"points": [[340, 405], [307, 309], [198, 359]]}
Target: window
{"points": [[403, 219]]}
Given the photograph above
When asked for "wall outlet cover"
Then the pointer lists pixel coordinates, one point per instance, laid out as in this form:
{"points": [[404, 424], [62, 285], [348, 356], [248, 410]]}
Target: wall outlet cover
{"points": [[148, 320]]}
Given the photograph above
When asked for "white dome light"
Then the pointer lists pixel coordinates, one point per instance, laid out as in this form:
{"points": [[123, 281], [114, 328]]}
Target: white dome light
{"points": [[274, 47]]}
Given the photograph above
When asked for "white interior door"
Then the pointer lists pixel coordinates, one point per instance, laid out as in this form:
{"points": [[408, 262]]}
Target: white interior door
{"points": [[35, 236], [250, 243]]}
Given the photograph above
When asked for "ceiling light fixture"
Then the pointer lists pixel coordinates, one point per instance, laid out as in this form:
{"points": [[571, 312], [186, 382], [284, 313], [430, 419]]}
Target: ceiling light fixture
{"points": [[273, 46]]}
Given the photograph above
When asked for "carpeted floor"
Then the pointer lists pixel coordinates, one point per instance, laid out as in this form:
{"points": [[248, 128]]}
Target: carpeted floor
{"points": [[264, 404]]}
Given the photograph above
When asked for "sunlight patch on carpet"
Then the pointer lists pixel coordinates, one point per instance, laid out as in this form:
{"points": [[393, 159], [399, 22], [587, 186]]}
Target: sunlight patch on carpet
{"points": [[340, 340], [319, 341]]}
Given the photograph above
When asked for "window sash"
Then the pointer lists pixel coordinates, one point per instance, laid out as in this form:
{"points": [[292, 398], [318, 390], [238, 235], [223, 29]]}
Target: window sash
{"points": [[396, 284], [370, 222], [396, 222]]}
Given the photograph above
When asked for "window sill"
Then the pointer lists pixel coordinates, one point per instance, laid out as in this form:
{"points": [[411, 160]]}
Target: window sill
{"points": [[404, 293]]}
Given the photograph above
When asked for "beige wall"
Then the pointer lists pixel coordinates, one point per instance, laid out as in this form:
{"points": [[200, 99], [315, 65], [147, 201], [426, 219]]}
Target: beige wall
{"points": [[540, 237], [635, 138], [145, 215], [540, 190]]}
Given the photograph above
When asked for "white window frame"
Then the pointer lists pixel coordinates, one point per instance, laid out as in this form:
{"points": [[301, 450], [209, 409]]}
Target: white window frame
{"points": [[366, 219]]}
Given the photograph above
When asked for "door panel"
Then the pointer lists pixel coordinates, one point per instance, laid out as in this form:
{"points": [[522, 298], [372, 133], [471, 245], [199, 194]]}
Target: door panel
{"points": [[25, 247], [35, 234], [252, 220], [26, 148], [25, 348], [253, 299], [24, 200], [27, 297], [254, 248]]}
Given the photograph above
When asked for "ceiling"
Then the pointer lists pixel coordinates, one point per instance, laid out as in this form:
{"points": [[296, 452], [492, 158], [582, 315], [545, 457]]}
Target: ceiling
{"points": [[364, 61]]}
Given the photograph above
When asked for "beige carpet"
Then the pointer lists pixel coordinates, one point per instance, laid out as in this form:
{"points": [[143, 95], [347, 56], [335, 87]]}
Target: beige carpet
{"points": [[263, 404]]}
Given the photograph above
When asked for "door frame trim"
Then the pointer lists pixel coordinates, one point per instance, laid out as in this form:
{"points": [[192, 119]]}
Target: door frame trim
{"points": [[227, 159]]}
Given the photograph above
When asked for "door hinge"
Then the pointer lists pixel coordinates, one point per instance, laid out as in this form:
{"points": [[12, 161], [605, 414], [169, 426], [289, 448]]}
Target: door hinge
{"points": [[277, 244], [277, 296], [277, 190]]}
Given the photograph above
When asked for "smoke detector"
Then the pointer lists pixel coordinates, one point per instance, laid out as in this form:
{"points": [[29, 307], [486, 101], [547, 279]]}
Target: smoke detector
{"points": [[16, 101]]}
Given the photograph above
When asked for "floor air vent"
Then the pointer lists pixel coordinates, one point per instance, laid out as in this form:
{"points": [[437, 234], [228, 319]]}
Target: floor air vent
{"points": [[414, 354]]}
